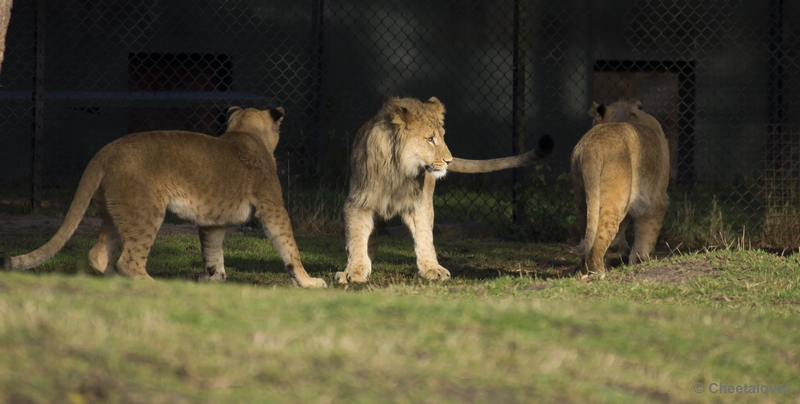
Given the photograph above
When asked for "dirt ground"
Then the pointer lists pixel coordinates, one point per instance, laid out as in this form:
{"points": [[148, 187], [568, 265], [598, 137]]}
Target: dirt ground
{"points": [[674, 274], [46, 226]]}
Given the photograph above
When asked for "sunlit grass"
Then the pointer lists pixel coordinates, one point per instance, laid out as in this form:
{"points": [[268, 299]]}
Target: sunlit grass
{"points": [[511, 326]]}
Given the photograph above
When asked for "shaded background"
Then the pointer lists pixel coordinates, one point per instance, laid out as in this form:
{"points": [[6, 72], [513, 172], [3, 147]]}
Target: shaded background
{"points": [[721, 77]]}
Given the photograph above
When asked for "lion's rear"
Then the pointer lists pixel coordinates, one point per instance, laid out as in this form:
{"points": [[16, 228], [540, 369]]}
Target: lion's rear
{"points": [[618, 167]]}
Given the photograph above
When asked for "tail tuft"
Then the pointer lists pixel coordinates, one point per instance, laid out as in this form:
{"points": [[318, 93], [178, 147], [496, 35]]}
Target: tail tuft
{"points": [[6, 261], [545, 145]]}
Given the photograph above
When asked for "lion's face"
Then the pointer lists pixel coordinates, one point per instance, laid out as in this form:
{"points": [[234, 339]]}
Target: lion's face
{"points": [[421, 131], [426, 150]]}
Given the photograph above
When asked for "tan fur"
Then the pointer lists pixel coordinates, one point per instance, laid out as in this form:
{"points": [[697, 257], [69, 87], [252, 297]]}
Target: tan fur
{"points": [[485, 166], [210, 181], [620, 171], [397, 157]]}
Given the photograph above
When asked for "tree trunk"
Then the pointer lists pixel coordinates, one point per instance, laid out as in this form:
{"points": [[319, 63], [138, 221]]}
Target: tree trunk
{"points": [[5, 16]]}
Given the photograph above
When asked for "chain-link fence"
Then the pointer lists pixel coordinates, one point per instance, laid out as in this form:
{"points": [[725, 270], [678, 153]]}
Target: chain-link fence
{"points": [[721, 77]]}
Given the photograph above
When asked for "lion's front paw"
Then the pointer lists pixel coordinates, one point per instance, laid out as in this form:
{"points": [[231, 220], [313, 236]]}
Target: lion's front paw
{"points": [[213, 274], [312, 283], [340, 278], [351, 274], [435, 273], [217, 277], [108, 272], [593, 276]]}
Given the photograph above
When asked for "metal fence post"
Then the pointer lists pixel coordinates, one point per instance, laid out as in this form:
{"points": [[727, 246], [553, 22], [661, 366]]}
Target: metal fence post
{"points": [[37, 149], [776, 69], [686, 125], [518, 106], [318, 17]]}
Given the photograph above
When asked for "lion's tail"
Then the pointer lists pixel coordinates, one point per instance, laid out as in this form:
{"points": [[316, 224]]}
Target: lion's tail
{"points": [[591, 189], [543, 149], [83, 196]]}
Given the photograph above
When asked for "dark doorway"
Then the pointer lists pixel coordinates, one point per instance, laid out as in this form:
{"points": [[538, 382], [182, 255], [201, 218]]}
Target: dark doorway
{"points": [[178, 72], [666, 89]]}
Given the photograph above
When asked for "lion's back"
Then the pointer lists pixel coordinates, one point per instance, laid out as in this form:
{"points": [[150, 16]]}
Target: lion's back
{"points": [[203, 179], [168, 163], [634, 149]]}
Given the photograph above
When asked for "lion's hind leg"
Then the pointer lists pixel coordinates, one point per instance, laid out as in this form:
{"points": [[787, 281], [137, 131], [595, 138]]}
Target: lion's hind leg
{"points": [[108, 243], [613, 208], [359, 226], [211, 238], [372, 245], [420, 224], [275, 221], [137, 224], [619, 248], [646, 229]]}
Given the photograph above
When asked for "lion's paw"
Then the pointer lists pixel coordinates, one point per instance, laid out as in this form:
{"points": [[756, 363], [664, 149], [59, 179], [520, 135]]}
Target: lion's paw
{"points": [[593, 276], [351, 275], [213, 273], [437, 273], [340, 278], [313, 283], [217, 277], [108, 272]]}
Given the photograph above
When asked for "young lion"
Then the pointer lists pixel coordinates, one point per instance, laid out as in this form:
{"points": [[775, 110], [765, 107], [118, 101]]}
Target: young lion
{"points": [[620, 171], [397, 157], [210, 181]]}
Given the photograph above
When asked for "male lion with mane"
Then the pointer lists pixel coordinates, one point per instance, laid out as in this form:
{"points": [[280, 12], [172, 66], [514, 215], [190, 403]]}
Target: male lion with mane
{"points": [[210, 181], [397, 157], [620, 171]]}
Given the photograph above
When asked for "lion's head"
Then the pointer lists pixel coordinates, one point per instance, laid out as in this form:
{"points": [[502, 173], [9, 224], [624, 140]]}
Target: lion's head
{"points": [[622, 111], [418, 129], [618, 111], [265, 123], [401, 143], [405, 139]]}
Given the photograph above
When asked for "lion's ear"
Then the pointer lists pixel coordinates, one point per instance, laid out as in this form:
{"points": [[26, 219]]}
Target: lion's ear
{"points": [[231, 110], [401, 116], [598, 111], [277, 114], [436, 106], [233, 116]]}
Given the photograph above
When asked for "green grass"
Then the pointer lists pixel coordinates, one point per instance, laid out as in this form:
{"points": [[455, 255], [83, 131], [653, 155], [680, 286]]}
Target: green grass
{"points": [[15, 198], [705, 215], [509, 327], [709, 217]]}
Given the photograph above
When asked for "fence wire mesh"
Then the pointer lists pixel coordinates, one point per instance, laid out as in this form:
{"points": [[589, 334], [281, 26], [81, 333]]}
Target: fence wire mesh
{"points": [[722, 77]]}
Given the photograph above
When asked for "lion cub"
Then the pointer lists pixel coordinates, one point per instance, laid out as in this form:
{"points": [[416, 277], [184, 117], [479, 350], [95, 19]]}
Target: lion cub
{"points": [[620, 171], [209, 181]]}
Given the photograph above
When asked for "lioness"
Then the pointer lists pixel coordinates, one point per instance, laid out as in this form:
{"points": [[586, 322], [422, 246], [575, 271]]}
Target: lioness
{"points": [[620, 171], [209, 181], [397, 157]]}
